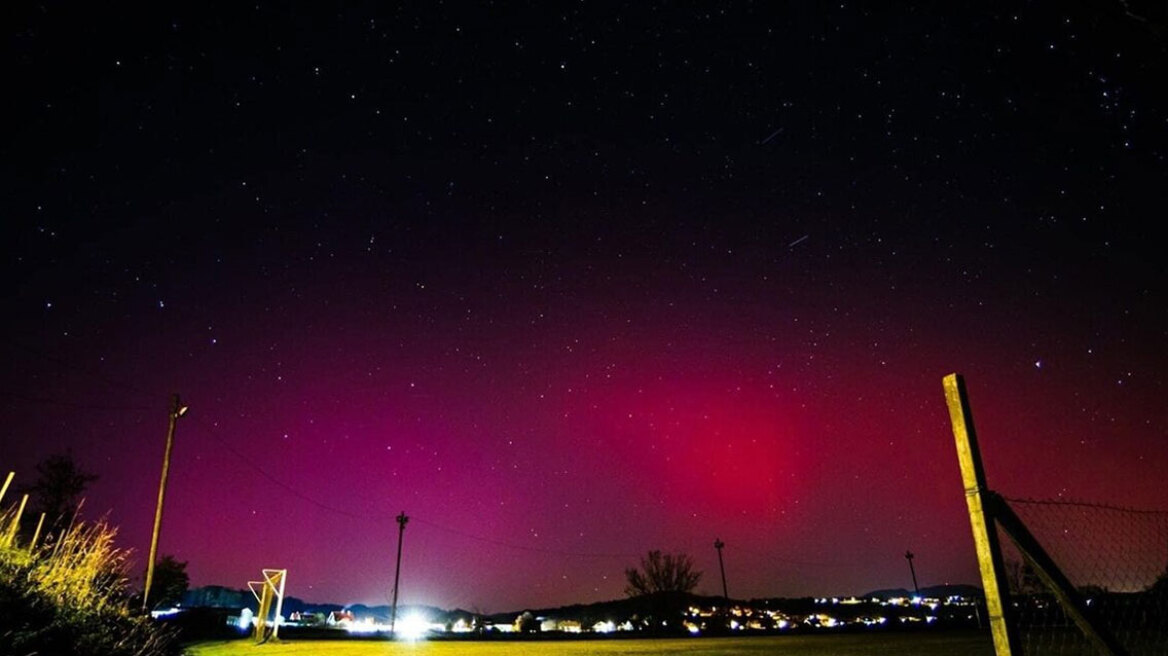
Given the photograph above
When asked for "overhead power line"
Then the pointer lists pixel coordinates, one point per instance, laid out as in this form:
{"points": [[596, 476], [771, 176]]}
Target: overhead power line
{"points": [[88, 371], [213, 432], [72, 404]]}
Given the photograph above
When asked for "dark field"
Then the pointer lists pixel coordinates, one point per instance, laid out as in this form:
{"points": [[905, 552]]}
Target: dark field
{"points": [[903, 644]]}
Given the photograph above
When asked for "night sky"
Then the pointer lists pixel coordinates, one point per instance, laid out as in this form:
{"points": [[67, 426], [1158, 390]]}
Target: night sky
{"points": [[570, 282]]}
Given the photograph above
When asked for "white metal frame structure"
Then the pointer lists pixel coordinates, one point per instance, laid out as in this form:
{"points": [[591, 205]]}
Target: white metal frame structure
{"points": [[271, 586]]}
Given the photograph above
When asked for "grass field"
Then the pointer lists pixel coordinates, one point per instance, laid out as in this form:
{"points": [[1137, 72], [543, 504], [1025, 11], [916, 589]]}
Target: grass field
{"points": [[902, 644]]}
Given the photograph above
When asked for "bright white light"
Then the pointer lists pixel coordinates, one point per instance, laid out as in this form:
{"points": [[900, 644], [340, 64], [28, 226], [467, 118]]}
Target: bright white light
{"points": [[413, 627], [364, 626], [245, 618]]}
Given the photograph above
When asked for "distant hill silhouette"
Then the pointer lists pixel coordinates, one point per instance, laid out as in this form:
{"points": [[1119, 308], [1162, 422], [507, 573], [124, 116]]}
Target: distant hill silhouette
{"points": [[935, 591]]}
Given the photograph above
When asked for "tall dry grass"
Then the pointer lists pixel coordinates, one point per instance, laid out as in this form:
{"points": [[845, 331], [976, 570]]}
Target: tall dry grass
{"points": [[69, 595]]}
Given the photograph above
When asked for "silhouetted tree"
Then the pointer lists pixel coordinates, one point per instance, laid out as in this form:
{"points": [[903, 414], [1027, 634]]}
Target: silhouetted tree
{"points": [[664, 583], [1160, 587], [1022, 578], [57, 490], [527, 623], [662, 572], [479, 621], [170, 582]]}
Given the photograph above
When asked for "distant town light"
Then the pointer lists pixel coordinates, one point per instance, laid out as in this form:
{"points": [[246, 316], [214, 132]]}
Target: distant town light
{"points": [[413, 627], [366, 626], [245, 618]]}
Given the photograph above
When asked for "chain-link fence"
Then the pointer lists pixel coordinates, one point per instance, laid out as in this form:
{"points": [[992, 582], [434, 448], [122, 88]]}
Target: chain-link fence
{"points": [[1117, 561]]}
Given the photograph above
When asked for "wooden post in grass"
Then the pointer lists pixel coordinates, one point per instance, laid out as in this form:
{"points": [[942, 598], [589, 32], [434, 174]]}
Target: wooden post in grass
{"points": [[11, 537], [985, 539], [7, 482], [36, 536]]}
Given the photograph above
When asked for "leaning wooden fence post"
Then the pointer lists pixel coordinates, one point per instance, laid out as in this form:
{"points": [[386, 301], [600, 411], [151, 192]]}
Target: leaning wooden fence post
{"points": [[37, 534], [985, 539], [7, 482], [10, 539]]}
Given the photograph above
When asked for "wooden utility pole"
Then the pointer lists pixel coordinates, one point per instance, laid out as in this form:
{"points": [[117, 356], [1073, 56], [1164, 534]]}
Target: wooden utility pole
{"points": [[401, 529], [908, 555], [176, 410], [985, 538], [718, 544]]}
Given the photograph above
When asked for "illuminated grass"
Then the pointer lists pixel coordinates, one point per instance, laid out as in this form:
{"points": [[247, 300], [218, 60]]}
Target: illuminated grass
{"points": [[908, 644], [68, 596]]}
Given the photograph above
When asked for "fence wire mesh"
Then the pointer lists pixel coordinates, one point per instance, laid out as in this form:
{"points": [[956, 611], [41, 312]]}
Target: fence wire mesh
{"points": [[1117, 560]]}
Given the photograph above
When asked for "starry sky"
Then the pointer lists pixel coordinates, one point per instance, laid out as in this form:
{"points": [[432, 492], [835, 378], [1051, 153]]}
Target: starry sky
{"points": [[567, 282]]}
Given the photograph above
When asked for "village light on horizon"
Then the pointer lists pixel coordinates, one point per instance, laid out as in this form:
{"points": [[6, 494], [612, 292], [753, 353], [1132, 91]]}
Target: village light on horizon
{"points": [[414, 627]]}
